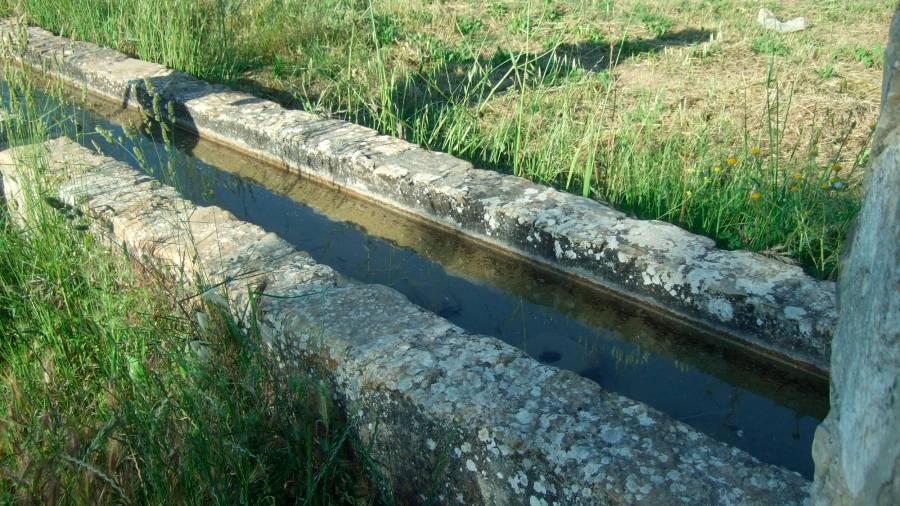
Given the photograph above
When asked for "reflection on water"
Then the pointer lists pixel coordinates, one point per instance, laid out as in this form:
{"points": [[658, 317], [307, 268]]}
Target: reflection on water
{"points": [[720, 391]]}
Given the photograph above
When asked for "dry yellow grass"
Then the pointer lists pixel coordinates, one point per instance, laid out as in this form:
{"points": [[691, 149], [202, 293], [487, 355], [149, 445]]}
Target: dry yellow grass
{"points": [[703, 72]]}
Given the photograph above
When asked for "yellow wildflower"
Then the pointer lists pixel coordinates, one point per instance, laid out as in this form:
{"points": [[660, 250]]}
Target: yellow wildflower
{"points": [[834, 179], [825, 186], [755, 195], [754, 151], [797, 176], [837, 167], [731, 161], [717, 169]]}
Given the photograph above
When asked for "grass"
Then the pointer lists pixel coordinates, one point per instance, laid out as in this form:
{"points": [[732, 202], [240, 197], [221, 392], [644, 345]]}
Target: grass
{"points": [[769, 43], [632, 103], [113, 391]]}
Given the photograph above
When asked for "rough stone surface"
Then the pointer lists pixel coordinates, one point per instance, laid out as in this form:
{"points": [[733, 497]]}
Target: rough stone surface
{"points": [[454, 418], [857, 448], [764, 304]]}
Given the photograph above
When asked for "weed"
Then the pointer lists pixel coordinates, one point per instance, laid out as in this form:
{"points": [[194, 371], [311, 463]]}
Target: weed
{"points": [[657, 24], [467, 25], [826, 72], [387, 30], [498, 10], [869, 57], [770, 44]]}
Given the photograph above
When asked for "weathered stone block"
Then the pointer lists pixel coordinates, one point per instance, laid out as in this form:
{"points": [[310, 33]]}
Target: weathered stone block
{"points": [[857, 448]]}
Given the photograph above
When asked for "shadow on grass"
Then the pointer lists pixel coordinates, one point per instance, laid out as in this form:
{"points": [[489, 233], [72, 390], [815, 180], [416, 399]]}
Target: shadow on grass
{"points": [[470, 81], [597, 57]]}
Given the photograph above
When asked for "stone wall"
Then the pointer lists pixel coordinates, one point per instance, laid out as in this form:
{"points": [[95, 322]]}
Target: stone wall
{"points": [[754, 301], [453, 417], [857, 448]]}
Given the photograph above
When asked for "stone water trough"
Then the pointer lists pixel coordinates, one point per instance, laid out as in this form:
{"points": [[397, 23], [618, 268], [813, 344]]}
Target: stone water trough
{"points": [[752, 301], [453, 417]]}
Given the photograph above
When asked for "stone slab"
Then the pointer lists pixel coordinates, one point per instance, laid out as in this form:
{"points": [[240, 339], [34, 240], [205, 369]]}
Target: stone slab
{"points": [[857, 448]]}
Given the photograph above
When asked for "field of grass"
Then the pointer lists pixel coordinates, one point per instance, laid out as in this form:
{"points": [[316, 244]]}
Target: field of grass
{"points": [[117, 388], [683, 110]]}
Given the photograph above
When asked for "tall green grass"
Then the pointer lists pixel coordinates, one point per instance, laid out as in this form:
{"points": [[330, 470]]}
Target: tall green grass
{"points": [[113, 391], [541, 115], [197, 36]]}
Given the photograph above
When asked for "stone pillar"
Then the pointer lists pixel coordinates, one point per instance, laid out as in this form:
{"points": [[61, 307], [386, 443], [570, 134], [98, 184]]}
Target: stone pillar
{"points": [[857, 448]]}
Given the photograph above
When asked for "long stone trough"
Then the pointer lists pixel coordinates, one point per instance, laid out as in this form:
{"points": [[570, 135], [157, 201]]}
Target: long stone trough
{"points": [[453, 418], [750, 300]]}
